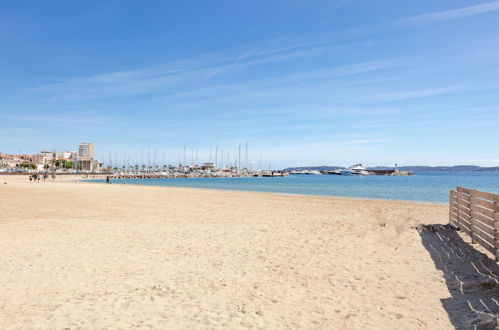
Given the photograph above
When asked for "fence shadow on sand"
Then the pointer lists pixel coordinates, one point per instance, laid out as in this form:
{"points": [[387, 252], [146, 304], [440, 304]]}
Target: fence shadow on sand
{"points": [[471, 277]]}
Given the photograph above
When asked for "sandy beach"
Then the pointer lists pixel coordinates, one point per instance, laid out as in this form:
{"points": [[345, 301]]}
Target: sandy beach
{"points": [[83, 255]]}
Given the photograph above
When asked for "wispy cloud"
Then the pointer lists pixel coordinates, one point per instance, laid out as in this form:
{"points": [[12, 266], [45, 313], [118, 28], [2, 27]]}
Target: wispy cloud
{"points": [[365, 141], [412, 94], [195, 74], [75, 121], [450, 14]]}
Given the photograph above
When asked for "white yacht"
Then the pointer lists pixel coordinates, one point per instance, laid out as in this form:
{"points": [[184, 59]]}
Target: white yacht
{"points": [[356, 169]]}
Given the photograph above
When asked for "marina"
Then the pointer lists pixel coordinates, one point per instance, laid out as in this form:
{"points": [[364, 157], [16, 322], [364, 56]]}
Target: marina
{"points": [[356, 169]]}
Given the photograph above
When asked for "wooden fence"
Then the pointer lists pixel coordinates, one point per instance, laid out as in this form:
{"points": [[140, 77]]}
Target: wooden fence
{"points": [[477, 214]]}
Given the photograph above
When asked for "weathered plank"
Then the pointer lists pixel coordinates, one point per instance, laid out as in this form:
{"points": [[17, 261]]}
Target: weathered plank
{"points": [[480, 217], [483, 243], [483, 195], [464, 214], [487, 230], [463, 196], [466, 222], [483, 203], [463, 210], [464, 190], [452, 213], [464, 205], [485, 240], [465, 227], [480, 210]]}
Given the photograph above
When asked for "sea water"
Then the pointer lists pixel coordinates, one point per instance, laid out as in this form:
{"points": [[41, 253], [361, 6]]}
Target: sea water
{"points": [[423, 186]]}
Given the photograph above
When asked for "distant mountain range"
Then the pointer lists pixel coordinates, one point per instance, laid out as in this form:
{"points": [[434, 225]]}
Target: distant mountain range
{"points": [[457, 168]]}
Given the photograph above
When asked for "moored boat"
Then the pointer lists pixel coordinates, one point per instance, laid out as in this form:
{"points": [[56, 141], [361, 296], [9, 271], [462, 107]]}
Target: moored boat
{"points": [[356, 169]]}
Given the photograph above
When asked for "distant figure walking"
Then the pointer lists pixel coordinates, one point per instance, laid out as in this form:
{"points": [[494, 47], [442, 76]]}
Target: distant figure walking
{"points": [[108, 179], [30, 179]]}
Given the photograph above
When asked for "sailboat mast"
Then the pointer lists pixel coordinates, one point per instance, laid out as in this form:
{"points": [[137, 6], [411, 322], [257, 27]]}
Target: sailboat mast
{"points": [[246, 155], [239, 158]]}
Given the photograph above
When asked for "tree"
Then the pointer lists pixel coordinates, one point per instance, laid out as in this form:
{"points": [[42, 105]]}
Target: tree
{"points": [[63, 163], [28, 166]]}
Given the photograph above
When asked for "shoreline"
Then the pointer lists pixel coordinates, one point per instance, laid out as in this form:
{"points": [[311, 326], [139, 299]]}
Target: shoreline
{"points": [[277, 193], [87, 181]]}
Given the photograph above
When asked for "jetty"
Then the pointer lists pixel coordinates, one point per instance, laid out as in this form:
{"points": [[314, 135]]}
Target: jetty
{"points": [[196, 173]]}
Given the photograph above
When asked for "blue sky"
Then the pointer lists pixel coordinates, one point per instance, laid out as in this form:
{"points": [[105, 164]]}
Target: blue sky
{"points": [[303, 82]]}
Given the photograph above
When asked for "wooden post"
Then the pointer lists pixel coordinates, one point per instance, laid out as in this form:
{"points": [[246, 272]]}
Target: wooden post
{"points": [[496, 226], [451, 204], [472, 194], [453, 216], [458, 208], [464, 209]]}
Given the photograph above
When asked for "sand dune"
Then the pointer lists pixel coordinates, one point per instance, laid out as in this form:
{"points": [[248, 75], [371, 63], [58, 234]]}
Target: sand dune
{"points": [[120, 256]]}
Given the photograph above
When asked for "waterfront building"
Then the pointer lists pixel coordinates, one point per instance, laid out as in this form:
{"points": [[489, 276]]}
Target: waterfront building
{"points": [[85, 160], [46, 159], [65, 155], [86, 150], [208, 166]]}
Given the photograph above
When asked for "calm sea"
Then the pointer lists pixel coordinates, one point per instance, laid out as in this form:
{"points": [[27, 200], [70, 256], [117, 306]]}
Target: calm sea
{"points": [[427, 186]]}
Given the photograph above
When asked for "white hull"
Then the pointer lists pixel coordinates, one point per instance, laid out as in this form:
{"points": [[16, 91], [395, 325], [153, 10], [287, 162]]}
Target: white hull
{"points": [[355, 170]]}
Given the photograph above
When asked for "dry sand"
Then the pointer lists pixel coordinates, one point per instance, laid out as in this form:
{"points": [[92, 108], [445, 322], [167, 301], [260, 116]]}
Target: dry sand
{"points": [[121, 256]]}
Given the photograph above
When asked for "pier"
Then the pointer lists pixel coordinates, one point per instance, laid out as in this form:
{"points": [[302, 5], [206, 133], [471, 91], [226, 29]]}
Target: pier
{"points": [[194, 174]]}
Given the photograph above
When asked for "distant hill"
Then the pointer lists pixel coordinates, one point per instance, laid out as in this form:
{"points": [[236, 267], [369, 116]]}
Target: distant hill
{"points": [[457, 168]]}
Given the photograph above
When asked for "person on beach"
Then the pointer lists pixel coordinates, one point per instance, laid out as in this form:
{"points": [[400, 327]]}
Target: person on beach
{"points": [[30, 179], [108, 180]]}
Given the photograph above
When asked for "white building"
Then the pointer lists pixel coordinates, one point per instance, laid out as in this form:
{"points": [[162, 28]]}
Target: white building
{"points": [[67, 155]]}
